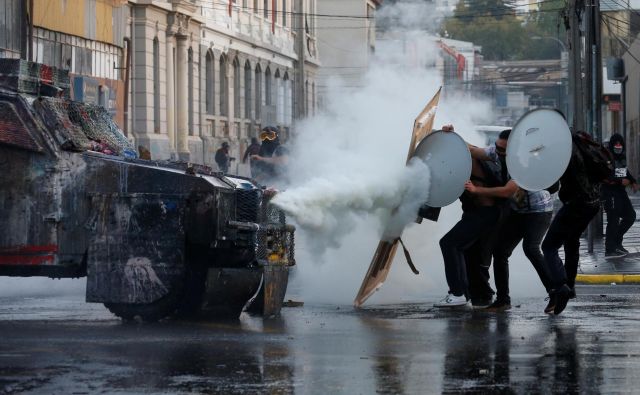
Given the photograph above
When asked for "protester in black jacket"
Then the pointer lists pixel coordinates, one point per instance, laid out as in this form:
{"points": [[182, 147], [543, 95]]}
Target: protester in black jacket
{"points": [[580, 203], [620, 213]]}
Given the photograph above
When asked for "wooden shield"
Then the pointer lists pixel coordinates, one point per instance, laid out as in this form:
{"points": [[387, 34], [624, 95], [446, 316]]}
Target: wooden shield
{"points": [[386, 251]]}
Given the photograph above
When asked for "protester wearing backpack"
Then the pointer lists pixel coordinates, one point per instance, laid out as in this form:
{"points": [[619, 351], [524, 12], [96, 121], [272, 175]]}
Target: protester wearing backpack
{"points": [[620, 213], [580, 195]]}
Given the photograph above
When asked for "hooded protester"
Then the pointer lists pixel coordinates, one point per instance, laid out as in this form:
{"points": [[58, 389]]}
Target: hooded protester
{"points": [[222, 157], [616, 203]]}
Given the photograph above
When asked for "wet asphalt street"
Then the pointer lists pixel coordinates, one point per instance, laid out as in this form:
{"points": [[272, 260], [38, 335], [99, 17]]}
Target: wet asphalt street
{"points": [[62, 345]]}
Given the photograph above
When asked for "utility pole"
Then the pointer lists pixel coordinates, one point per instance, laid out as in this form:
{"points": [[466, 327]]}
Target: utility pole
{"points": [[585, 77], [576, 105]]}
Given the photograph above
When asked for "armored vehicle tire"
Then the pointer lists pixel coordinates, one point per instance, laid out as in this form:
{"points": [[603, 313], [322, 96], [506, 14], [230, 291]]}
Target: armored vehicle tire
{"points": [[150, 312]]}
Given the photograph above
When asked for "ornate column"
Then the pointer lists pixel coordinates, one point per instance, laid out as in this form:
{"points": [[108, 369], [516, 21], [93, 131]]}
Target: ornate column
{"points": [[171, 100], [182, 96]]}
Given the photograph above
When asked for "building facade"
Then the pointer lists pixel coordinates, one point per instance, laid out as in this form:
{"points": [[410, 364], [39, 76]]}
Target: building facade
{"points": [[85, 38], [346, 32], [205, 73], [180, 76]]}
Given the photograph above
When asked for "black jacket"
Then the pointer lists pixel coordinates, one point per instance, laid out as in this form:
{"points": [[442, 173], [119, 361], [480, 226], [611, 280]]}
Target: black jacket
{"points": [[575, 186], [620, 170]]}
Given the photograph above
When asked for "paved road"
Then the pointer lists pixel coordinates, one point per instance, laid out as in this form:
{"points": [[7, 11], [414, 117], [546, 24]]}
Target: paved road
{"points": [[61, 345]]}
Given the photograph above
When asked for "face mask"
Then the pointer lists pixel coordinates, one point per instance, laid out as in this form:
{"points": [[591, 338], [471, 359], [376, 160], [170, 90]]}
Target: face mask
{"points": [[617, 150]]}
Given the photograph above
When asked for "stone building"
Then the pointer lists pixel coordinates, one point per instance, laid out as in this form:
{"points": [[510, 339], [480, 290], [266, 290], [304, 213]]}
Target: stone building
{"points": [[208, 72], [197, 72]]}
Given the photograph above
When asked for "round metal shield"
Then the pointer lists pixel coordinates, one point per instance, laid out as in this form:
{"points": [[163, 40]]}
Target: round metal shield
{"points": [[539, 149], [448, 158]]}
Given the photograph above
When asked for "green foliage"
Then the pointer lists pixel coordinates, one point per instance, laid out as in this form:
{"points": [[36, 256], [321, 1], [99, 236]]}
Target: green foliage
{"points": [[503, 35]]}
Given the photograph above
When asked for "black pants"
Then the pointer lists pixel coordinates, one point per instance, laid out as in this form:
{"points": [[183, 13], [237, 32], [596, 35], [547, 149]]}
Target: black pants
{"points": [[620, 216], [473, 224], [530, 229], [565, 230], [478, 261]]}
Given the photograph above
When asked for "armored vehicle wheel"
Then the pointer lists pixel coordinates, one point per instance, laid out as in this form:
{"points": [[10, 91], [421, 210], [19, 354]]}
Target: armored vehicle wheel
{"points": [[150, 312]]}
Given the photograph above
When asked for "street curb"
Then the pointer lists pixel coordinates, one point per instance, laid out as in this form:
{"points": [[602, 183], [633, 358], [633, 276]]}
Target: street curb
{"points": [[608, 278]]}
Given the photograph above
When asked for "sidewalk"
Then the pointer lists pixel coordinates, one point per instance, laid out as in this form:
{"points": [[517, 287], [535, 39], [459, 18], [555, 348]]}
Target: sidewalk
{"points": [[595, 269]]}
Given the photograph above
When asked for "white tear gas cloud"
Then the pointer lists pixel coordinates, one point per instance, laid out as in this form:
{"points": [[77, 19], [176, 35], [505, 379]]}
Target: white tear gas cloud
{"points": [[348, 172], [412, 15], [329, 207]]}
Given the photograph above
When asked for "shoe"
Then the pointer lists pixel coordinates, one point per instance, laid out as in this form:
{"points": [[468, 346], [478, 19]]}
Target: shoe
{"points": [[452, 301], [552, 303], [498, 306], [572, 293], [481, 303], [623, 250], [614, 254], [562, 298]]}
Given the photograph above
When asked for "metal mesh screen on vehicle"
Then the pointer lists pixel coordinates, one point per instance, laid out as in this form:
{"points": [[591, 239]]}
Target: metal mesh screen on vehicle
{"points": [[76, 125]]}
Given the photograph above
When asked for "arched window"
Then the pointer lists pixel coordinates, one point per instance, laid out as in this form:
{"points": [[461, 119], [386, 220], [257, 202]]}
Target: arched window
{"points": [[279, 102], [313, 98], [190, 105], [287, 98], [258, 90], [306, 97], [223, 84], [210, 84], [156, 85], [267, 87], [247, 90], [236, 89], [284, 12]]}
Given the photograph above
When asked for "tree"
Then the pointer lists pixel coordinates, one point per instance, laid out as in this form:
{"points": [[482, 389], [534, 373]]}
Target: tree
{"points": [[492, 24]]}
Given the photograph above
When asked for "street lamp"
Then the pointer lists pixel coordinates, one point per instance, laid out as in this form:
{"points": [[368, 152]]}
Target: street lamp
{"points": [[564, 66]]}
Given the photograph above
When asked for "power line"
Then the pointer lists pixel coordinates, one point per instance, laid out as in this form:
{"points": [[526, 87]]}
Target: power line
{"points": [[624, 44]]}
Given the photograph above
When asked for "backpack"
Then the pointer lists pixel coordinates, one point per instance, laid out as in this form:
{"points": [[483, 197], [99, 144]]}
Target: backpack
{"points": [[597, 159]]}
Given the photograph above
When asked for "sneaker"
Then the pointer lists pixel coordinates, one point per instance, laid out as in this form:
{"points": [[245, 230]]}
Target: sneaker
{"points": [[452, 301], [614, 254], [481, 303], [622, 249], [498, 306], [562, 298], [552, 303]]}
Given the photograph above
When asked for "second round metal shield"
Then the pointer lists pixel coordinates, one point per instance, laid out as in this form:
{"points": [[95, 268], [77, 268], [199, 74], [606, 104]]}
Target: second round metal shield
{"points": [[448, 158], [539, 149]]}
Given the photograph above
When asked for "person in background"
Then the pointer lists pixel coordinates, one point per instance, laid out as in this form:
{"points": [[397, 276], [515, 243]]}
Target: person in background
{"points": [[252, 149], [144, 153], [271, 160], [615, 200], [222, 158]]}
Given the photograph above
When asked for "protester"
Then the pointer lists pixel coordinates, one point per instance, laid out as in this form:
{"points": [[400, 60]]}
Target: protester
{"points": [[580, 197], [252, 149], [222, 158], [271, 160], [481, 216], [620, 213], [527, 221]]}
